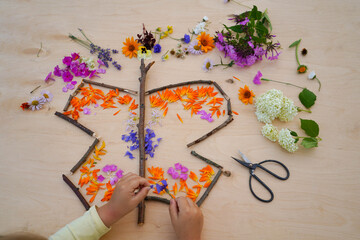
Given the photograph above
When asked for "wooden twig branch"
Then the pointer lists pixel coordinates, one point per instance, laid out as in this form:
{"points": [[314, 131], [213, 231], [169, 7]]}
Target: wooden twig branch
{"points": [[77, 90], [224, 124], [110, 87], [141, 133], [72, 121], [221, 91], [178, 85], [77, 192], [83, 159], [195, 154], [157, 199], [207, 192]]}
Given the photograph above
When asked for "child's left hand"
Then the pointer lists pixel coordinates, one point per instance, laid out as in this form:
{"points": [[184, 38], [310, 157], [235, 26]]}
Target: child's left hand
{"points": [[124, 198]]}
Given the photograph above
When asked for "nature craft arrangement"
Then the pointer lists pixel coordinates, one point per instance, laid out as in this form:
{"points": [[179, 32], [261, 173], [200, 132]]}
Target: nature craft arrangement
{"points": [[246, 42]]}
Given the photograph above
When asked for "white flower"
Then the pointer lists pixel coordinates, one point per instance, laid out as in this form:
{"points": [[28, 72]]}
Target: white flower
{"points": [[205, 18], [288, 110], [155, 118], [90, 63], [208, 65], [36, 103], [132, 121], [311, 75], [47, 95], [287, 141], [194, 48], [268, 106], [270, 132], [199, 28]]}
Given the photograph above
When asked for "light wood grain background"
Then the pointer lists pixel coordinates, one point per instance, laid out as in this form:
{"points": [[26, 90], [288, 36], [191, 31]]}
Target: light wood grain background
{"points": [[321, 200]]}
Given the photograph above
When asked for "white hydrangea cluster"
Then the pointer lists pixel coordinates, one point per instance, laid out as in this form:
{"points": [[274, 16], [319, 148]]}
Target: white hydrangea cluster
{"points": [[270, 132], [273, 104], [287, 141]]}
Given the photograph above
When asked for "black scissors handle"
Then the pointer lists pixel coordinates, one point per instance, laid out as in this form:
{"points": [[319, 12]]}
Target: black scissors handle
{"points": [[252, 174]]}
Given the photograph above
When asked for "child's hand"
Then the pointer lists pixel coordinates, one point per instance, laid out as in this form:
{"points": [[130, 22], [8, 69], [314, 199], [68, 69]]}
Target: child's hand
{"points": [[186, 218], [125, 198]]}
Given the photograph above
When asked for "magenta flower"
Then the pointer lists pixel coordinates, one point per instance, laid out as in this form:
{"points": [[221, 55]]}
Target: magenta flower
{"points": [[65, 89], [101, 63], [109, 168], [74, 82], [57, 72], [70, 86], [177, 166], [67, 76], [184, 169], [49, 78], [113, 180], [257, 78], [244, 22], [102, 71], [75, 56], [100, 178], [183, 176], [87, 111], [205, 115], [174, 174], [251, 44], [119, 173], [67, 61]]}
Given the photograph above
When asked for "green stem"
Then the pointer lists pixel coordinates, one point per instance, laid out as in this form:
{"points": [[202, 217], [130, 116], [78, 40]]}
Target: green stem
{"points": [[296, 54], [240, 4], [269, 80], [319, 83], [85, 35], [317, 138], [303, 110], [174, 38]]}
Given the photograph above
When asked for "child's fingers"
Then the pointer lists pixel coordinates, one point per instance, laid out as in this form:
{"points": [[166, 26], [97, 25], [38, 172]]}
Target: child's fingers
{"points": [[141, 194], [182, 203], [173, 210]]}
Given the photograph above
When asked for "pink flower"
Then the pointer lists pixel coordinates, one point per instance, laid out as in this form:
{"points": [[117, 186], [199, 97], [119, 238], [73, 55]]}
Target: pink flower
{"points": [[178, 166], [251, 44], [69, 86], [183, 176], [87, 111], [48, 78], [100, 178], [257, 78], [184, 169], [67, 61], [119, 173], [75, 56], [57, 72], [67, 76], [102, 71], [65, 89]]}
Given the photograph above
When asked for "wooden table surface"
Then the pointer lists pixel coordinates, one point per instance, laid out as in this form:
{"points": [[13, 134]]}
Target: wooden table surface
{"points": [[321, 200]]}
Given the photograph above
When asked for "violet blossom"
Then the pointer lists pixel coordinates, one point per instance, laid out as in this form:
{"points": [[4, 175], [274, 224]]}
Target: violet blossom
{"points": [[257, 78], [48, 78]]}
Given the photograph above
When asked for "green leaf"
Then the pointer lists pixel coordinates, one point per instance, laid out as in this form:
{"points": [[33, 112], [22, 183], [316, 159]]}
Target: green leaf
{"points": [[295, 135], [261, 30], [310, 127], [309, 142], [295, 43], [266, 16], [237, 28], [227, 28], [307, 98]]}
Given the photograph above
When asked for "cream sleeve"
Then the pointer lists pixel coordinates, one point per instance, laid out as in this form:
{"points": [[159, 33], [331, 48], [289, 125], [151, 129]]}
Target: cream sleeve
{"points": [[89, 226]]}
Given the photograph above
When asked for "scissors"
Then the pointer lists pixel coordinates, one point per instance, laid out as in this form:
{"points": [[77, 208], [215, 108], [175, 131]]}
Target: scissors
{"points": [[252, 166]]}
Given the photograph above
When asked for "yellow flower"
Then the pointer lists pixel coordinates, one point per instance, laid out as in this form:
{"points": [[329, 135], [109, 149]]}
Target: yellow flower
{"points": [[170, 29], [246, 95], [130, 47], [143, 53], [164, 34]]}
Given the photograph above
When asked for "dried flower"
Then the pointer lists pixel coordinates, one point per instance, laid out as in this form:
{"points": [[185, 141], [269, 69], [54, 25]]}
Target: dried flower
{"points": [[270, 132], [287, 141], [130, 48], [257, 78], [304, 51], [246, 95], [36, 103], [208, 65], [25, 106], [147, 39]]}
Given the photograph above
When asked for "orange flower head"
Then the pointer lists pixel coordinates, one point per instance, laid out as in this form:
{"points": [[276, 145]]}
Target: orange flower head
{"points": [[156, 173], [246, 95], [130, 48], [302, 69], [205, 42]]}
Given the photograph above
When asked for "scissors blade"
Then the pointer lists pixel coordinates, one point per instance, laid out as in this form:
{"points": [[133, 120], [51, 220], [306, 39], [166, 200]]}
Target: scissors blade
{"points": [[245, 164], [244, 157]]}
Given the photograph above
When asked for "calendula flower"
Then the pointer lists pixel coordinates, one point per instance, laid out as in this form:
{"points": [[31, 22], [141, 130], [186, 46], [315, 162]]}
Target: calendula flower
{"points": [[208, 65], [257, 78], [287, 141], [206, 42], [302, 69], [47, 95], [36, 103], [194, 48], [143, 53], [268, 106], [130, 48], [288, 110], [270, 132], [246, 95]]}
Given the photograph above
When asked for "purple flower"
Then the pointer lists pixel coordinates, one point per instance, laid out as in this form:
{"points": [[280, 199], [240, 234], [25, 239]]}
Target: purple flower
{"points": [[162, 186], [101, 63], [129, 154], [119, 173], [186, 38], [74, 82], [87, 111], [67, 61], [57, 72], [177, 166], [113, 180], [205, 116], [96, 105], [257, 78], [69, 86], [251, 44], [65, 89], [183, 176], [220, 38], [100, 178], [67, 76], [48, 78], [244, 22], [75, 56], [157, 48], [109, 168], [102, 71], [184, 169]]}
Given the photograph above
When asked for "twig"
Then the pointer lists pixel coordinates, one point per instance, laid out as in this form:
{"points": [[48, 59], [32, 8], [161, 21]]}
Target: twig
{"points": [[212, 184], [141, 133], [229, 110], [72, 121], [83, 159], [195, 154], [77, 192], [157, 199], [77, 90], [224, 124], [37, 55], [178, 85], [221, 91], [111, 87], [35, 89]]}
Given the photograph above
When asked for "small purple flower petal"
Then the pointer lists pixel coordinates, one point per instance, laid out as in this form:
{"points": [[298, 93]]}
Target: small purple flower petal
{"points": [[257, 78], [129, 154], [184, 169], [70, 86], [48, 78], [178, 166], [113, 180], [100, 178], [113, 168], [57, 72], [65, 89], [101, 71], [87, 111], [106, 168], [251, 44], [73, 82], [244, 22], [119, 173], [67, 61], [183, 176], [96, 105]]}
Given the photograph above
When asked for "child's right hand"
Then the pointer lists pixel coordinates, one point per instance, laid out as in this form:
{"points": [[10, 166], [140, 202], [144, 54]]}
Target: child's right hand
{"points": [[186, 218]]}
